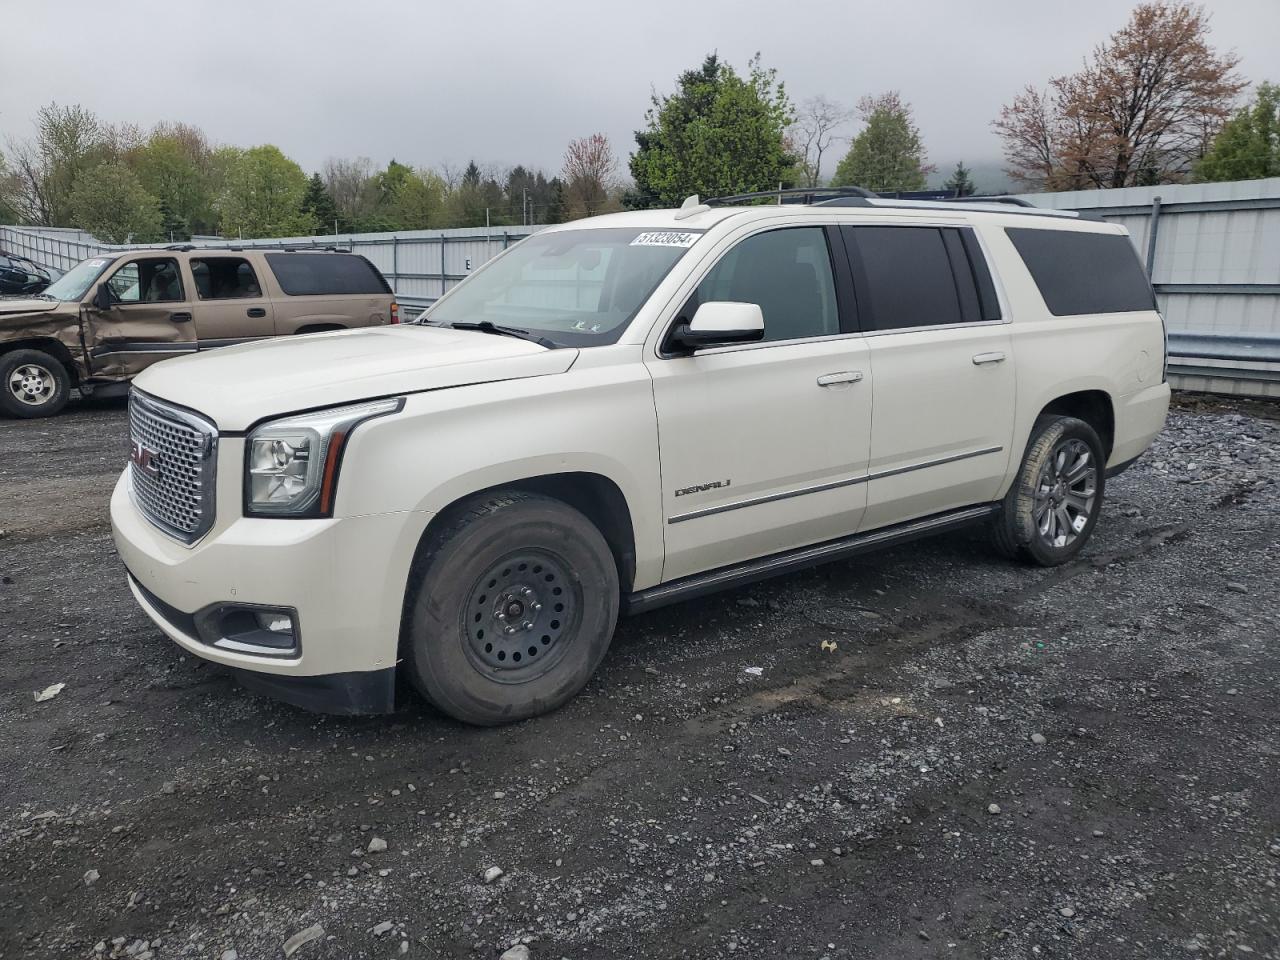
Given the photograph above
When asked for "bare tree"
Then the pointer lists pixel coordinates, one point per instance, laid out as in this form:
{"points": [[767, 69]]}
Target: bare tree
{"points": [[68, 141], [350, 183], [590, 176], [814, 131]]}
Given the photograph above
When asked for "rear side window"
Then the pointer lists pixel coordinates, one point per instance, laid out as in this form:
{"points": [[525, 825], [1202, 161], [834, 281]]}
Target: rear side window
{"points": [[325, 274], [906, 278], [1084, 272], [225, 278]]}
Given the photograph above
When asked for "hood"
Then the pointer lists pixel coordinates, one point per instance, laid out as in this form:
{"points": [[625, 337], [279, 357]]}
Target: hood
{"points": [[10, 305], [238, 386]]}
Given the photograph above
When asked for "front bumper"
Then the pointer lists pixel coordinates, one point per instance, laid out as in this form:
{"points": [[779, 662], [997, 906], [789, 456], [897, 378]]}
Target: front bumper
{"points": [[344, 579]]}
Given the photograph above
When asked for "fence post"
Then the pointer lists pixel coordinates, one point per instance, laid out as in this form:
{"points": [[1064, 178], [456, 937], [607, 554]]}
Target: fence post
{"points": [[395, 264], [1152, 229], [443, 281]]}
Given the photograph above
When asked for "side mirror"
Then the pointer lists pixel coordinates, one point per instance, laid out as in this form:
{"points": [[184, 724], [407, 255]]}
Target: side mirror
{"points": [[102, 298], [720, 323]]}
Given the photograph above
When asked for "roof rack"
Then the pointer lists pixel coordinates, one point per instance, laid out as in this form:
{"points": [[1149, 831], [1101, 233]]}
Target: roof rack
{"points": [[795, 194], [1003, 198], [240, 247]]}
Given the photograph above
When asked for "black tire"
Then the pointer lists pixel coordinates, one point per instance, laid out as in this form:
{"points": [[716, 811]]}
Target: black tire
{"points": [[494, 554], [1039, 520], [32, 384]]}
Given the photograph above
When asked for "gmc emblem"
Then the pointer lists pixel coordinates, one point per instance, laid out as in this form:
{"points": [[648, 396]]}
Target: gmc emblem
{"points": [[144, 458]]}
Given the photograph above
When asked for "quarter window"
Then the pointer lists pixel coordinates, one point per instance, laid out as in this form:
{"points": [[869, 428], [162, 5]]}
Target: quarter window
{"points": [[224, 278], [1082, 272], [147, 281], [787, 273], [906, 278], [325, 274]]}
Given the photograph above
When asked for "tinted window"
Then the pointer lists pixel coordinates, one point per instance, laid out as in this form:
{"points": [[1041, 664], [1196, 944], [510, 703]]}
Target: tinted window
{"points": [[787, 273], [1084, 272], [905, 278], [224, 278], [325, 274]]}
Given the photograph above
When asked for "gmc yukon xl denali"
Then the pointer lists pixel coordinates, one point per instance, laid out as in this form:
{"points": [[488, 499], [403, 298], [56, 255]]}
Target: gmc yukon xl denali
{"points": [[623, 412]]}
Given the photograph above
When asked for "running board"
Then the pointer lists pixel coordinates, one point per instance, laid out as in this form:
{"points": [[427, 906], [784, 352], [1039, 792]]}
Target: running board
{"points": [[752, 571]]}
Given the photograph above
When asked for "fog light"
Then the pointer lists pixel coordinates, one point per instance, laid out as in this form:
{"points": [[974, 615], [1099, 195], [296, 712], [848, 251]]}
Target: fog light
{"points": [[275, 622]]}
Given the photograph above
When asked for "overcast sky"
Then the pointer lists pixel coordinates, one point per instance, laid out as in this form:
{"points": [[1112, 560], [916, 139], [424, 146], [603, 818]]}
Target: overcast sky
{"points": [[506, 83]]}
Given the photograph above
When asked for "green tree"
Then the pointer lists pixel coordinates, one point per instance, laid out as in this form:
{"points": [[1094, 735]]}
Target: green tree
{"points": [[719, 133], [111, 204], [174, 166], [960, 183], [1248, 147], [263, 196], [318, 202], [418, 201], [888, 155]]}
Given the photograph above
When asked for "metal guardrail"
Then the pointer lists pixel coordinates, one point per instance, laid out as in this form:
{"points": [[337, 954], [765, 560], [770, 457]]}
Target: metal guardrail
{"points": [[1249, 355]]}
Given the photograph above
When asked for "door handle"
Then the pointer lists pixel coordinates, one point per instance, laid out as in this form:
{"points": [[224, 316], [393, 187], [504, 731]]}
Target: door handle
{"points": [[256, 312], [831, 379], [994, 357], [180, 317]]}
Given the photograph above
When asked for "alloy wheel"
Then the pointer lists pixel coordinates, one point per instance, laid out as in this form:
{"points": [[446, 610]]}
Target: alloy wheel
{"points": [[1066, 494]]}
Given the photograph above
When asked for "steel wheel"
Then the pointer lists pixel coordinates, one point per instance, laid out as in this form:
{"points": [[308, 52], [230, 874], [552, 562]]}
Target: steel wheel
{"points": [[32, 384], [520, 615], [1066, 493]]}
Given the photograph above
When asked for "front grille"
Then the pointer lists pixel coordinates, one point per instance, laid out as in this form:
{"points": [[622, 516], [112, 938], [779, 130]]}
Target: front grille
{"points": [[172, 460]]}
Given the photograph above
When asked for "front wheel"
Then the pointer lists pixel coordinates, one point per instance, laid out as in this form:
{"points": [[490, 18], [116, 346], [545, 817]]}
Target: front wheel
{"points": [[514, 607], [1050, 511], [32, 384]]}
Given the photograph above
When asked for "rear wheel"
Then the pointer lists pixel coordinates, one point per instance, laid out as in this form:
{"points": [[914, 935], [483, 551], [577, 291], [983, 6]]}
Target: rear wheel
{"points": [[514, 608], [32, 384], [1050, 511]]}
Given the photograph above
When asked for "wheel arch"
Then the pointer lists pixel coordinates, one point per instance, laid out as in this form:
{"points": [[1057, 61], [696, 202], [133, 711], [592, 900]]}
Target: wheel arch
{"points": [[595, 495], [50, 345], [1094, 407]]}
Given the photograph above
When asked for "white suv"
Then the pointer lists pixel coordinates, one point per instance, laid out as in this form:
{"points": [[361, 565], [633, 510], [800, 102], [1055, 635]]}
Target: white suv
{"points": [[623, 412]]}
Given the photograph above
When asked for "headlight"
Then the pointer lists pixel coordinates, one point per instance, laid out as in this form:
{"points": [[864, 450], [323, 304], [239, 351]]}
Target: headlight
{"points": [[291, 465]]}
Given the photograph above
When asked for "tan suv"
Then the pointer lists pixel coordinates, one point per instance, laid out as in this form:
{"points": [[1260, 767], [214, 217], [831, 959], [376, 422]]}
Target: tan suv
{"points": [[113, 315]]}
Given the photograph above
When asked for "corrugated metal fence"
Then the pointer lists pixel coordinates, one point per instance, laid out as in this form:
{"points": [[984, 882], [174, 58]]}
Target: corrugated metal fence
{"points": [[1213, 251]]}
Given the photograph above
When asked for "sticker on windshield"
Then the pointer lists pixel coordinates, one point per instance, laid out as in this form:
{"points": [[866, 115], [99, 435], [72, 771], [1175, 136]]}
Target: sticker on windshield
{"points": [[97, 263], [665, 238]]}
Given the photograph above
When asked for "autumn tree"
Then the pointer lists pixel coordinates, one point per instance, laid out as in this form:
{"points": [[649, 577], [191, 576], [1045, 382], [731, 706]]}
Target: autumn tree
{"points": [[888, 156], [590, 172], [1142, 110], [1248, 147], [719, 133], [813, 132]]}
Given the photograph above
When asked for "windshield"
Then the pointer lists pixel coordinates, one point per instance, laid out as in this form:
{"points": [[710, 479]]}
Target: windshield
{"points": [[75, 283], [574, 287]]}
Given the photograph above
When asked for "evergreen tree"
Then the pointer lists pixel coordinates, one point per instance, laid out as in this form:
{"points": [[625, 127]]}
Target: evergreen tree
{"points": [[719, 133], [960, 183], [888, 155], [318, 202]]}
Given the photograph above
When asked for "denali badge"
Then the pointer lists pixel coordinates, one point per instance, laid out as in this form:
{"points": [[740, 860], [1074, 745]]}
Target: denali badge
{"points": [[144, 458], [701, 487]]}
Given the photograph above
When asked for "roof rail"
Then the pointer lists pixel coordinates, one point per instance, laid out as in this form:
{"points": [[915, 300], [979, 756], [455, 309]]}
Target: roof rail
{"points": [[1002, 198], [800, 195], [250, 245]]}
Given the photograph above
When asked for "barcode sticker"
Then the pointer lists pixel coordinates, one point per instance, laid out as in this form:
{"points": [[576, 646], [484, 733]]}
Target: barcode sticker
{"points": [[665, 238]]}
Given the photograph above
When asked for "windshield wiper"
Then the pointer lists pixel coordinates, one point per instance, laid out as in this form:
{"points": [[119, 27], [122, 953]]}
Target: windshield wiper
{"points": [[487, 326]]}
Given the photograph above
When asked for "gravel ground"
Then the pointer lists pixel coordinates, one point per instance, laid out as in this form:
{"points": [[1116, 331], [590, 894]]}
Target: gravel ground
{"points": [[941, 755]]}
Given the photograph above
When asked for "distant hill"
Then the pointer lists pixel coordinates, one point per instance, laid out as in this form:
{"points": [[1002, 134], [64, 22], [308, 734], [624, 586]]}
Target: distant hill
{"points": [[988, 175]]}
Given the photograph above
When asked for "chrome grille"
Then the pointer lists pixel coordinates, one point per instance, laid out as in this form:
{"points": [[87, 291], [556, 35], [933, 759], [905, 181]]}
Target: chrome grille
{"points": [[172, 457]]}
